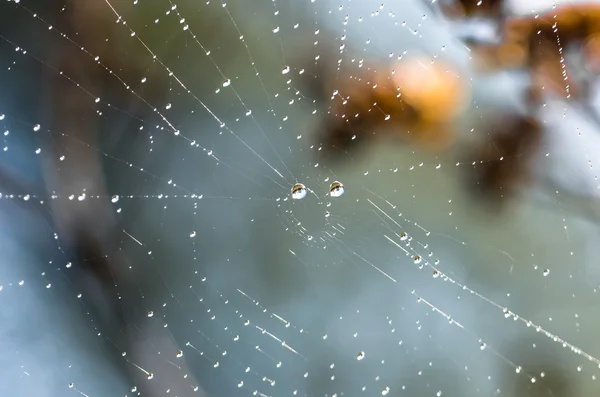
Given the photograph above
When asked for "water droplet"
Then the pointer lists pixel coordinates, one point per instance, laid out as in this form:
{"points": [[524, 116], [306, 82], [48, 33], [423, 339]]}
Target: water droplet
{"points": [[336, 189], [227, 83], [150, 313], [299, 191], [70, 385], [150, 375], [360, 356], [168, 106], [240, 383], [546, 272], [276, 29], [417, 259], [114, 199], [285, 70], [193, 234], [385, 391], [179, 354], [37, 127], [2, 117]]}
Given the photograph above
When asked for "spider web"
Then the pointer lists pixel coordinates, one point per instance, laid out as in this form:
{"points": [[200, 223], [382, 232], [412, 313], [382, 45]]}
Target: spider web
{"points": [[221, 283]]}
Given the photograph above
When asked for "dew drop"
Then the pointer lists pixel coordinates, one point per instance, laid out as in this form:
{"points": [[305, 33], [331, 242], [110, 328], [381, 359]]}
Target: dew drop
{"points": [[360, 356], [179, 354], [37, 127], [150, 313], [114, 199], [385, 391], [336, 189], [193, 234], [299, 191], [285, 70], [227, 83]]}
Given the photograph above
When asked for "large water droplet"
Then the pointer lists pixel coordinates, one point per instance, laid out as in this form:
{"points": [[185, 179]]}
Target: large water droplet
{"points": [[299, 191], [336, 189]]}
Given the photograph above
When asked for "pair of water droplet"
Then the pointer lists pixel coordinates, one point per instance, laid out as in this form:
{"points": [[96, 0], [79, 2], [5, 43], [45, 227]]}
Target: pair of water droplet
{"points": [[299, 191]]}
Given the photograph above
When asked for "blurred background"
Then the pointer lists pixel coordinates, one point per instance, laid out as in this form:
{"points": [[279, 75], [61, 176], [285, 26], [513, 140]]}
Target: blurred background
{"points": [[310, 198]]}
